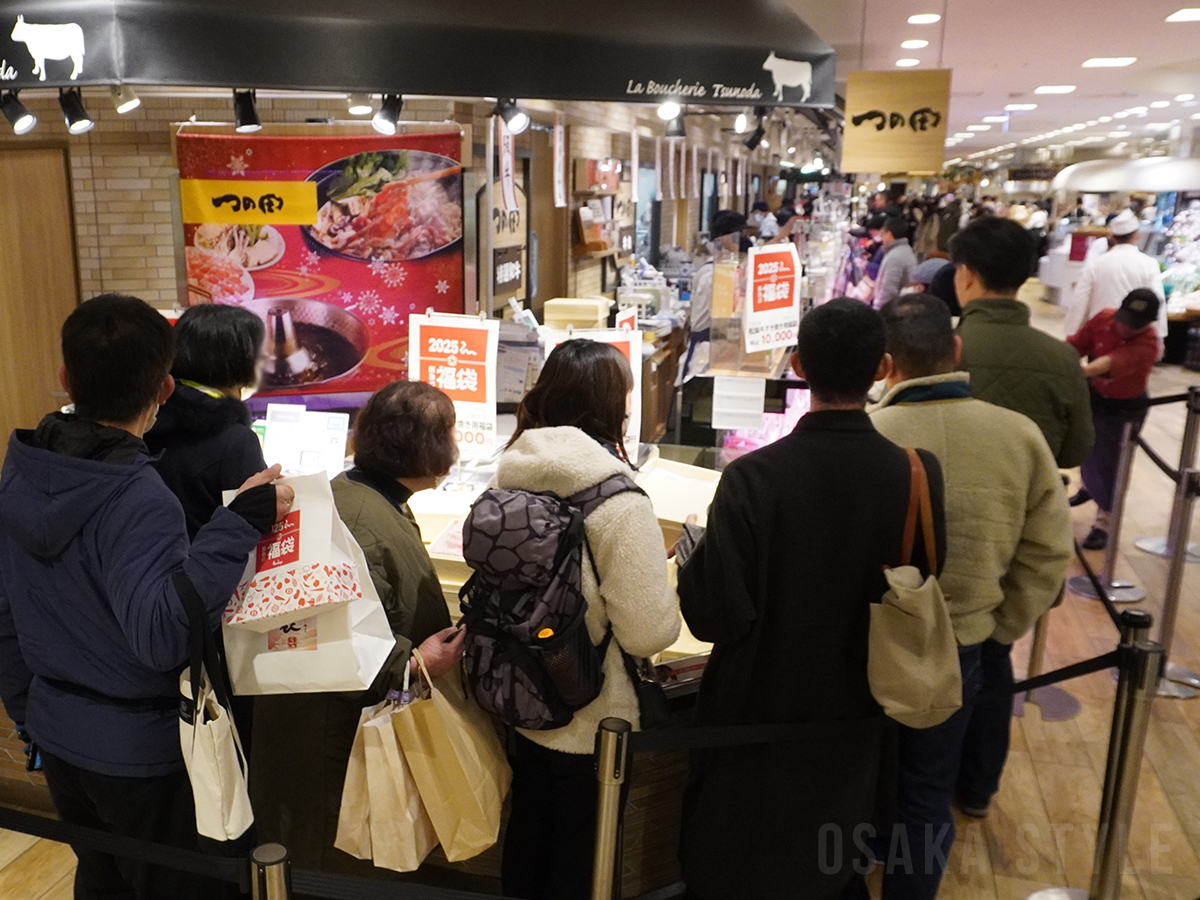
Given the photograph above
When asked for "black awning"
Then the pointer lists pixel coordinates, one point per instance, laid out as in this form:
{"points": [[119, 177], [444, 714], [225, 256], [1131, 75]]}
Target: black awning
{"points": [[711, 52]]}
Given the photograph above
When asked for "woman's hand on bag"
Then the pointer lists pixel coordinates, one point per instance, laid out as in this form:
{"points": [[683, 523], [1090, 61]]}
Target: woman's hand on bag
{"points": [[284, 494], [442, 651]]}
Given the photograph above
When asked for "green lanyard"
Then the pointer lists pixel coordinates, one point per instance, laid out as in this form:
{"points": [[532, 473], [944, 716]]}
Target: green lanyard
{"points": [[212, 392]]}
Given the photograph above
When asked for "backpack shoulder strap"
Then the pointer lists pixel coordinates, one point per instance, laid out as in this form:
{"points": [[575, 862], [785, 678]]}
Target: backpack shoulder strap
{"points": [[597, 495]]}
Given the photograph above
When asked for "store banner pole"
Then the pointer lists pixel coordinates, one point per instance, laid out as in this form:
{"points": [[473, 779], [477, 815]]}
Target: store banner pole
{"points": [[1144, 667], [1118, 591], [272, 875], [612, 757]]}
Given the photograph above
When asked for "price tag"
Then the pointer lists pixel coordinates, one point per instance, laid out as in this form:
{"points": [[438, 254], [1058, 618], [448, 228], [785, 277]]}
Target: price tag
{"points": [[457, 355], [772, 308]]}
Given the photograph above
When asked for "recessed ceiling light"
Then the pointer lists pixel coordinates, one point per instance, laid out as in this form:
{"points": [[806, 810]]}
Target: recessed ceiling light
{"points": [[1109, 62], [1020, 107], [1105, 119], [950, 142], [1054, 89], [1093, 122], [995, 118], [1158, 126], [1119, 134], [1138, 110], [963, 135], [1160, 104], [927, 19], [1190, 14], [1121, 115], [979, 128], [1184, 98], [1078, 126], [914, 45], [907, 63]]}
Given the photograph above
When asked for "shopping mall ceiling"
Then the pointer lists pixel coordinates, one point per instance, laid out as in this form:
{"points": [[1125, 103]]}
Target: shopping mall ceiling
{"points": [[1002, 53]]}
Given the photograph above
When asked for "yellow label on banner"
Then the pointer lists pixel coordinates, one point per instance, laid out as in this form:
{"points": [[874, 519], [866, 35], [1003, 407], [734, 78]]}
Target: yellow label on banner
{"points": [[896, 121], [248, 202]]}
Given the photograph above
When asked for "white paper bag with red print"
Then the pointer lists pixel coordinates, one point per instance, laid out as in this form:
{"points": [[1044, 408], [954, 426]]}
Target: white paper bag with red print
{"points": [[302, 567], [335, 644]]}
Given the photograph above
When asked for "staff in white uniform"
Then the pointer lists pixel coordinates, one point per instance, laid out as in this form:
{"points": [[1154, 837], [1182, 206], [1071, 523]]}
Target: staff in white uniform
{"points": [[1107, 279]]}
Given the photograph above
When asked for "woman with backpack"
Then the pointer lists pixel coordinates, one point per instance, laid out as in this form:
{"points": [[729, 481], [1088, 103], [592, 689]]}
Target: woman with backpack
{"points": [[569, 439]]}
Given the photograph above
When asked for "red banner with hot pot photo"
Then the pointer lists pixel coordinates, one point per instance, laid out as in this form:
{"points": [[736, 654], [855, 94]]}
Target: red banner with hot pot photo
{"points": [[332, 241]]}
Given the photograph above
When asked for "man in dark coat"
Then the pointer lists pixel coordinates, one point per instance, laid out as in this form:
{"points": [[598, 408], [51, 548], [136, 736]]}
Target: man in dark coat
{"points": [[782, 583]]}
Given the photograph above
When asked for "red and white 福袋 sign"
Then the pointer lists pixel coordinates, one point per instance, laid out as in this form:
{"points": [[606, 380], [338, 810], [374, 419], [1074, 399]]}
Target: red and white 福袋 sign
{"points": [[772, 307]]}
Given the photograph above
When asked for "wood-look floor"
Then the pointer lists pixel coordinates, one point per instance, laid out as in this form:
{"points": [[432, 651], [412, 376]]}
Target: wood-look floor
{"points": [[1042, 827]]}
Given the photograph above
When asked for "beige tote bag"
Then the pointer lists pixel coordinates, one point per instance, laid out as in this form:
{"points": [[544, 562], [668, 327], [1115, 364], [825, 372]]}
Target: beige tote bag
{"points": [[912, 660]]}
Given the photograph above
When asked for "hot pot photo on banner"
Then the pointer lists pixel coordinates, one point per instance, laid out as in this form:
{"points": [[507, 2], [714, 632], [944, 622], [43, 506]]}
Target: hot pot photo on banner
{"points": [[332, 241]]}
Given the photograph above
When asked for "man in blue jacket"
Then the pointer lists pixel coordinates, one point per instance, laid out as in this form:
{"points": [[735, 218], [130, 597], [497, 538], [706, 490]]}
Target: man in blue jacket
{"points": [[92, 633]]}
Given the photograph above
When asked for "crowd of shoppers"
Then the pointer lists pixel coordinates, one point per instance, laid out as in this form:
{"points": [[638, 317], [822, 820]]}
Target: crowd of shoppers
{"points": [[102, 509]]}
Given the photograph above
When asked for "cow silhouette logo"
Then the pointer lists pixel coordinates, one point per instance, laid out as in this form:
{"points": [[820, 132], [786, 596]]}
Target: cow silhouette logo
{"points": [[789, 73], [51, 42]]}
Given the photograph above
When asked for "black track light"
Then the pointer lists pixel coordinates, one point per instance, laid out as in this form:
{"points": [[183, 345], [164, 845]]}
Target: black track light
{"points": [[514, 117], [245, 114], [756, 137], [18, 115], [675, 127], [78, 120], [389, 114]]}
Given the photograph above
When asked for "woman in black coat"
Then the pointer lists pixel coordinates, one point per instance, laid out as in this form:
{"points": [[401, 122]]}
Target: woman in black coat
{"points": [[202, 436]]}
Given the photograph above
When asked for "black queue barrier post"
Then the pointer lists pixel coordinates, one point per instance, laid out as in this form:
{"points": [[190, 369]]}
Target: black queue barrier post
{"points": [[612, 762], [1117, 591], [1161, 545], [271, 875]]}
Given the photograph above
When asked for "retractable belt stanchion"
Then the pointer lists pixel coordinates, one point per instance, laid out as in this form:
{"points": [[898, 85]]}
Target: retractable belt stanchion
{"points": [[1178, 681], [1161, 546], [612, 757], [271, 875], [1117, 591]]}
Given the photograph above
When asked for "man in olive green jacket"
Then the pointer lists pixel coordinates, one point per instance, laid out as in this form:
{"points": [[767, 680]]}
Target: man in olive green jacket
{"points": [[1014, 365], [1011, 363]]}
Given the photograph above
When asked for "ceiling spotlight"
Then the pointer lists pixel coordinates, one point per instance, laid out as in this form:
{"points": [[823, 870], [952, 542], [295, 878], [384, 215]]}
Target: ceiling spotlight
{"points": [[1109, 62], [995, 118], [245, 115], [1184, 98], [914, 45], [755, 138], [791, 149], [514, 117], [124, 99], [1104, 120], [739, 124], [979, 128], [78, 120], [924, 19], [1121, 115], [20, 118], [825, 171], [1138, 110], [1054, 89], [669, 110], [1190, 14], [388, 114], [1020, 107], [818, 162], [675, 128], [907, 63], [1160, 104], [882, 186], [359, 104], [766, 145]]}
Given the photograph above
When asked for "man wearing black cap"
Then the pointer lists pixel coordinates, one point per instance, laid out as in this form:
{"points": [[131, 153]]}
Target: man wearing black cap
{"points": [[1120, 346], [899, 262]]}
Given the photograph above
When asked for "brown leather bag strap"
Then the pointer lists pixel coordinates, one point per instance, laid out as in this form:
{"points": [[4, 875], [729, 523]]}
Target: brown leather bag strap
{"points": [[919, 495], [914, 504]]}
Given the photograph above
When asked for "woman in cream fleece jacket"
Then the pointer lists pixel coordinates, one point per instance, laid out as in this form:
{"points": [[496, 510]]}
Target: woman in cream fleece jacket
{"points": [[568, 440]]}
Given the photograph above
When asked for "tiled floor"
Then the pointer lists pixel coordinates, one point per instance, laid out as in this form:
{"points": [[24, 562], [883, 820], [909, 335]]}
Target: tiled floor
{"points": [[1042, 829]]}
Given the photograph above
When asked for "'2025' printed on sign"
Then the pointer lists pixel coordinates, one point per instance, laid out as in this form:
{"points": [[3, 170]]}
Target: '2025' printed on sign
{"points": [[454, 360]]}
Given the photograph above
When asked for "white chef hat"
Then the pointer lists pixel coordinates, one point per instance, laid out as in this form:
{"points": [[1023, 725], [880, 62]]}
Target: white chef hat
{"points": [[1125, 223]]}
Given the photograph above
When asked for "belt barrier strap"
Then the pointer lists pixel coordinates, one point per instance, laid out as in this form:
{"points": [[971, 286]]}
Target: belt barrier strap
{"points": [[352, 887], [1087, 667], [745, 735], [230, 869]]}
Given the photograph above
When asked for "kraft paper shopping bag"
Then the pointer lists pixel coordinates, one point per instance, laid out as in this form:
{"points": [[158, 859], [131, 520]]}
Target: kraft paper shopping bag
{"points": [[457, 763], [402, 834], [354, 815]]}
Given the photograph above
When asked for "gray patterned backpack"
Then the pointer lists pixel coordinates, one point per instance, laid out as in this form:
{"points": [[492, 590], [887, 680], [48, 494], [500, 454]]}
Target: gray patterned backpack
{"points": [[528, 657]]}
